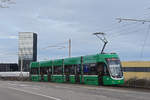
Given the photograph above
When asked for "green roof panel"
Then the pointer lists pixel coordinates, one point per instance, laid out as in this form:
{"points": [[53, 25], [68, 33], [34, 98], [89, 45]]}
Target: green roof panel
{"points": [[97, 58], [34, 65], [58, 62], [45, 63], [72, 61]]}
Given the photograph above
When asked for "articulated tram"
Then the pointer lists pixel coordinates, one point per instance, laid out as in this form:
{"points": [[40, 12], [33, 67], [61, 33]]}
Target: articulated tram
{"points": [[98, 69]]}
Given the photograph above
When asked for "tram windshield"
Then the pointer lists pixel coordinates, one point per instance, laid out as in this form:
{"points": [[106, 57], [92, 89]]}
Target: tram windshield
{"points": [[115, 67]]}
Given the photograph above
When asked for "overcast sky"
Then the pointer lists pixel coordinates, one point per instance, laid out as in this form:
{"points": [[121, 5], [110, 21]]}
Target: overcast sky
{"points": [[55, 21]]}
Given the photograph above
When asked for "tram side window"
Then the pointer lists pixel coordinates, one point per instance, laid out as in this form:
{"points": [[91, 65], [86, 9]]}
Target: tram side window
{"points": [[44, 70], [90, 69], [67, 69], [72, 69], [34, 71], [50, 70], [78, 69], [58, 70]]}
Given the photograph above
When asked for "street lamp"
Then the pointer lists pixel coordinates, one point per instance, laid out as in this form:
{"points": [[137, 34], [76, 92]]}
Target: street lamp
{"points": [[101, 36]]}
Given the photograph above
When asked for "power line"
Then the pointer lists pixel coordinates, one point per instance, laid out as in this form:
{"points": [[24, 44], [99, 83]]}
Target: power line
{"points": [[125, 31], [59, 46], [114, 25], [138, 20], [134, 20], [146, 37]]}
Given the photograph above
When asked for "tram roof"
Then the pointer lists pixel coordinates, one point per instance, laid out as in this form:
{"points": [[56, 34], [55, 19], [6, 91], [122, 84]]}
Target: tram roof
{"points": [[34, 65], [97, 58], [57, 62], [46, 63], [72, 61]]}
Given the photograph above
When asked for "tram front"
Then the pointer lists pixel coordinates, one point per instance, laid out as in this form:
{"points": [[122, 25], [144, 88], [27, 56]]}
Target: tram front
{"points": [[115, 72]]}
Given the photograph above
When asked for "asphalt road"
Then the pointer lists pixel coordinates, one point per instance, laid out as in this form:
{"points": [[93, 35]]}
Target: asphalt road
{"points": [[13, 90]]}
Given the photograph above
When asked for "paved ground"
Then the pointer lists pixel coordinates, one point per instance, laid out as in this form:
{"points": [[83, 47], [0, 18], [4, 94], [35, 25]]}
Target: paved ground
{"points": [[13, 90]]}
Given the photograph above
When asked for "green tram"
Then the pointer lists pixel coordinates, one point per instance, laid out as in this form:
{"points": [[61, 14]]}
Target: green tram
{"points": [[98, 69]]}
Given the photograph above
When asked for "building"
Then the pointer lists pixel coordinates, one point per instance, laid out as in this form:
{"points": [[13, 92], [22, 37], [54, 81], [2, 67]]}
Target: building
{"points": [[27, 49], [8, 67], [136, 70]]}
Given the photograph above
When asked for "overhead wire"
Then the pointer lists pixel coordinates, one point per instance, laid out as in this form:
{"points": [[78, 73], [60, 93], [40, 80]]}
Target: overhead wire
{"points": [[126, 28], [125, 31], [144, 43], [56, 45], [117, 31], [131, 23], [122, 28]]}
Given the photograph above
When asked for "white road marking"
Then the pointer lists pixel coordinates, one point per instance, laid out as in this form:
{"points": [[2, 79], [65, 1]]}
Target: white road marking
{"points": [[22, 85], [62, 87], [71, 91], [11, 84], [50, 97]]}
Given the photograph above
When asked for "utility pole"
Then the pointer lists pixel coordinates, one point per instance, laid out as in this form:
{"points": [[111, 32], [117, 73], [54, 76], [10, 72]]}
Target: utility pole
{"points": [[69, 47], [21, 67], [21, 63]]}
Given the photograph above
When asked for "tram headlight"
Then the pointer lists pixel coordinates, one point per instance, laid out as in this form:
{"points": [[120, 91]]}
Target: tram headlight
{"points": [[107, 78]]}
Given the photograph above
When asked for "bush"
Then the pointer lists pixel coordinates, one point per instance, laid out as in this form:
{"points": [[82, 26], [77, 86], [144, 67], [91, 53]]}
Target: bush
{"points": [[134, 82]]}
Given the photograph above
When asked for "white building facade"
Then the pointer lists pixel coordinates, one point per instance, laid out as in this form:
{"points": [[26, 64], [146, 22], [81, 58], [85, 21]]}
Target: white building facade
{"points": [[27, 51]]}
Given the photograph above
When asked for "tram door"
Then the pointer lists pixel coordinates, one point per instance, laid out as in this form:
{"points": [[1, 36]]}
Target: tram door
{"points": [[42, 74], [77, 73], [67, 73], [49, 73], [100, 72]]}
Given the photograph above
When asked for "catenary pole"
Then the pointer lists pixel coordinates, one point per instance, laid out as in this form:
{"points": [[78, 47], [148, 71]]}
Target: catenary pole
{"points": [[69, 47]]}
